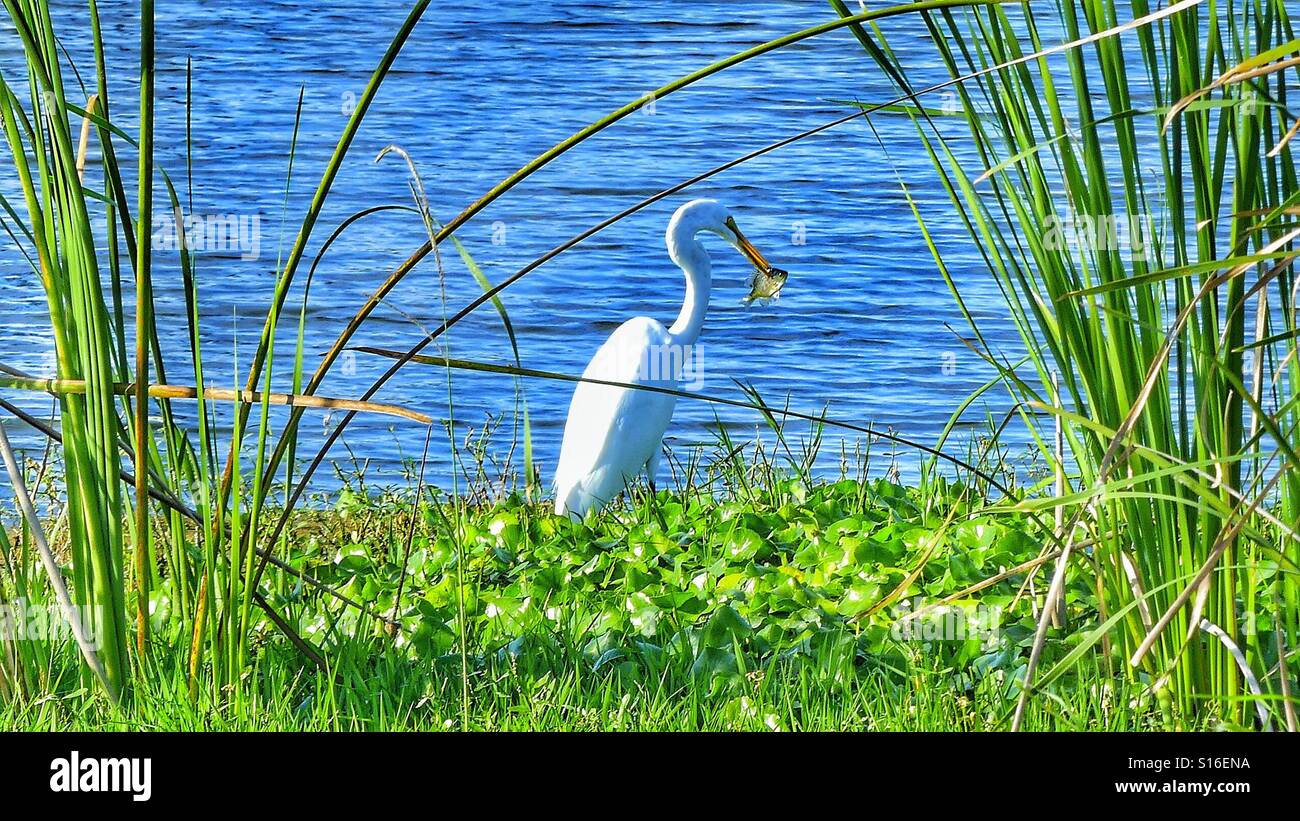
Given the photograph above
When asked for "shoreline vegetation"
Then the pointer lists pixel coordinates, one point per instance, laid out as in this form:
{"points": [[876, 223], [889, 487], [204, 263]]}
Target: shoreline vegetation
{"points": [[754, 608], [1142, 577]]}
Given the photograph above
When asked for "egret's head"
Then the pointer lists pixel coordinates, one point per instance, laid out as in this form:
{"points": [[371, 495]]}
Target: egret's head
{"points": [[710, 215]]}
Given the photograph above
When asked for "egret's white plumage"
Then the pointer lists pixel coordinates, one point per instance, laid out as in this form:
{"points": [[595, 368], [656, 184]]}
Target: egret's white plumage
{"points": [[613, 433]]}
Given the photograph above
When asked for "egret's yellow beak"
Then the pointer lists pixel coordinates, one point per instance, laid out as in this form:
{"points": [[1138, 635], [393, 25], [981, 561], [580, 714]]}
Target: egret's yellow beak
{"points": [[768, 279], [747, 248]]}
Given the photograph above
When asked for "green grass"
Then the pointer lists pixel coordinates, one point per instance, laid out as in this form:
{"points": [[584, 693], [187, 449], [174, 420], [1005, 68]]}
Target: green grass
{"points": [[387, 693], [678, 610]]}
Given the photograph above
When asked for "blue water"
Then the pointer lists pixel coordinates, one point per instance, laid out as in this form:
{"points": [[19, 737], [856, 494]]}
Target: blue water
{"points": [[865, 329]]}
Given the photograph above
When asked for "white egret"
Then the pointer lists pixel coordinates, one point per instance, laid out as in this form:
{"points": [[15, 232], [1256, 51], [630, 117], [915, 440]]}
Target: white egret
{"points": [[613, 433]]}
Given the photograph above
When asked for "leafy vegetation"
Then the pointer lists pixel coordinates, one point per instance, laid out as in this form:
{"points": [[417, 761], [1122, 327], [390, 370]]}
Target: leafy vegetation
{"points": [[1133, 190], [676, 610]]}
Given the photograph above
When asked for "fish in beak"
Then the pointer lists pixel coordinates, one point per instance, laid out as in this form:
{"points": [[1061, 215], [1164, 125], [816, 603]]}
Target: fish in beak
{"points": [[768, 280]]}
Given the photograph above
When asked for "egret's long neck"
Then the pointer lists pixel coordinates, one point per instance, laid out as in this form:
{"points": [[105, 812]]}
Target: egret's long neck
{"points": [[689, 254]]}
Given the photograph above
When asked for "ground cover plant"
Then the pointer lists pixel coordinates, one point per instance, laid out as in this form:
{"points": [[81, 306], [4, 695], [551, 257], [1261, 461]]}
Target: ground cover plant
{"points": [[679, 610]]}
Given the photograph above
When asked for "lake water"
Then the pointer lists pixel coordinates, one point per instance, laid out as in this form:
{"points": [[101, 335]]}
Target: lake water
{"points": [[865, 329]]}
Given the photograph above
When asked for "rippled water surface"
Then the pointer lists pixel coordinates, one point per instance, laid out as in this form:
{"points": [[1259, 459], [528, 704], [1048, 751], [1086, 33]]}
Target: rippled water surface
{"points": [[866, 327]]}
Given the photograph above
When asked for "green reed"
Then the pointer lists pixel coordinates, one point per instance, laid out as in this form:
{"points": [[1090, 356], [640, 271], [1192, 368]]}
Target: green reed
{"points": [[1178, 364]]}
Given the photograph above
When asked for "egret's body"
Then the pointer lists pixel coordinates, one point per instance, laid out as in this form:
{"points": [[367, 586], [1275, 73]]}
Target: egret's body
{"points": [[613, 432]]}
